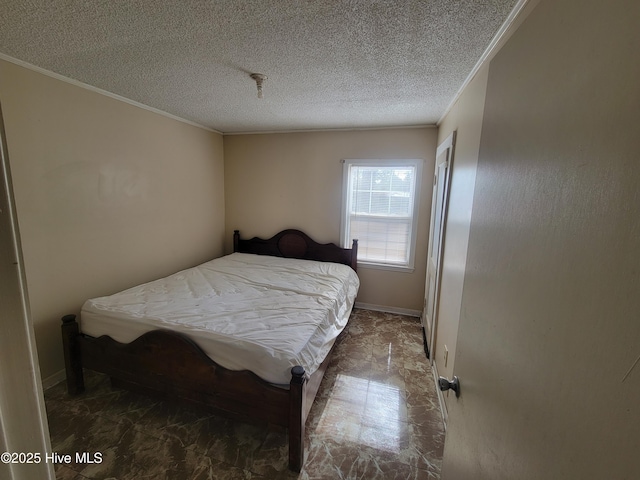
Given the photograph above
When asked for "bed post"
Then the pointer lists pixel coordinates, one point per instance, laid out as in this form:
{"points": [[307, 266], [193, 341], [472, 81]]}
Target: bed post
{"points": [[354, 255], [236, 240], [297, 417], [72, 360]]}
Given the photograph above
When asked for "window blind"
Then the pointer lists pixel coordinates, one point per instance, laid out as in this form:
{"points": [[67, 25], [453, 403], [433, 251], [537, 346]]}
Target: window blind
{"points": [[380, 210]]}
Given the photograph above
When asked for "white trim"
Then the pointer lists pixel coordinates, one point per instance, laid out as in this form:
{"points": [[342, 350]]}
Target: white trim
{"points": [[446, 143], [443, 405], [513, 21], [446, 147], [344, 129], [23, 416], [385, 309], [54, 379], [91, 88], [386, 266]]}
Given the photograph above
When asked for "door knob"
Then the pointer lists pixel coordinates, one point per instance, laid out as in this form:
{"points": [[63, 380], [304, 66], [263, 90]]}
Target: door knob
{"points": [[446, 384]]}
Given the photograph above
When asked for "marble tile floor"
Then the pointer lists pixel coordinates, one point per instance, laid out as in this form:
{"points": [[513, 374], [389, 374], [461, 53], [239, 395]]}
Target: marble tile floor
{"points": [[376, 416]]}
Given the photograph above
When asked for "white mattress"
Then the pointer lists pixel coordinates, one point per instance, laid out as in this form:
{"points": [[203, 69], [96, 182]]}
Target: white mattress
{"points": [[247, 312]]}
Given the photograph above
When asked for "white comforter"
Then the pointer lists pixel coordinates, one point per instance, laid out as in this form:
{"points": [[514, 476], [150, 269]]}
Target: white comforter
{"points": [[246, 312]]}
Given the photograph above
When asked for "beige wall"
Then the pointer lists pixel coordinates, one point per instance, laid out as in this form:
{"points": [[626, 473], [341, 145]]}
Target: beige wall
{"points": [[465, 118], [549, 331], [294, 180], [108, 195]]}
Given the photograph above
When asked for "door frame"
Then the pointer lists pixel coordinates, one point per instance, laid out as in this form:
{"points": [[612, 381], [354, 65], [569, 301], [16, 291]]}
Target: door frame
{"points": [[430, 325], [23, 418]]}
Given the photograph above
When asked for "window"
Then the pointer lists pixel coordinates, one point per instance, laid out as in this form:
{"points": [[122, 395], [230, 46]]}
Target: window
{"points": [[379, 208]]}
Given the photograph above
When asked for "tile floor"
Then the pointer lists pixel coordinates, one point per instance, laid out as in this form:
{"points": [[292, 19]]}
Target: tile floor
{"points": [[376, 416]]}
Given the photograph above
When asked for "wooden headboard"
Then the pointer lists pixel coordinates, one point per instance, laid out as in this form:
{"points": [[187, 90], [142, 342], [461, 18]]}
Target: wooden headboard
{"points": [[296, 244]]}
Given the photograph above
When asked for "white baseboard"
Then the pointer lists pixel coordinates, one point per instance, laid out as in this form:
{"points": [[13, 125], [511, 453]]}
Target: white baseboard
{"points": [[382, 308], [443, 405], [54, 379]]}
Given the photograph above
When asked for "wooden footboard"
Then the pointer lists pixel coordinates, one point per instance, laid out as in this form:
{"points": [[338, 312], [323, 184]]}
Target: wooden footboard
{"points": [[167, 364]]}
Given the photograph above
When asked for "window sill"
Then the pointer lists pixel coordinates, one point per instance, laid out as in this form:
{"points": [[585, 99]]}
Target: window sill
{"points": [[388, 267]]}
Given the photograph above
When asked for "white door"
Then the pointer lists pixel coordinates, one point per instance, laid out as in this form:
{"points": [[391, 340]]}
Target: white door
{"points": [[441, 180], [23, 423]]}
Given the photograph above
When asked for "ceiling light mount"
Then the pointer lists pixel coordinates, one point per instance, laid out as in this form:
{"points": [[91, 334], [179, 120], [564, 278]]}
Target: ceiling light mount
{"points": [[259, 79]]}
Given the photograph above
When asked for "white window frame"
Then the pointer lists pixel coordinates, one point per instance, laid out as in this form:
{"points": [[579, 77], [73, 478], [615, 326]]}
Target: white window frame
{"points": [[345, 229]]}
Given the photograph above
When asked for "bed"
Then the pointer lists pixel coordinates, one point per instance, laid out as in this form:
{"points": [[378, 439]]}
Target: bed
{"points": [[249, 334]]}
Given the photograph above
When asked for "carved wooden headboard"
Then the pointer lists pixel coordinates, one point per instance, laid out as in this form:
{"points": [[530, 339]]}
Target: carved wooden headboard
{"points": [[296, 244]]}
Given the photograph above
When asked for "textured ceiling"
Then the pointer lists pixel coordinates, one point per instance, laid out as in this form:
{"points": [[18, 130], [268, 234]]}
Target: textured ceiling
{"points": [[330, 63]]}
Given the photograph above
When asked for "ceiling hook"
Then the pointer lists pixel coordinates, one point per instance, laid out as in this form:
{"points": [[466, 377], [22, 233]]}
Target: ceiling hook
{"points": [[259, 78]]}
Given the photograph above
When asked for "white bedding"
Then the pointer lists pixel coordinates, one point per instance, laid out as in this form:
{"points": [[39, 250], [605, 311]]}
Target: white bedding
{"points": [[247, 312]]}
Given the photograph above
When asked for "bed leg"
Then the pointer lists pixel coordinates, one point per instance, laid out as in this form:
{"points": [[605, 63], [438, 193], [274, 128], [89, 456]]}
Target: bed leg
{"points": [[297, 420], [354, 254], [236, 240], [72, 359]]}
